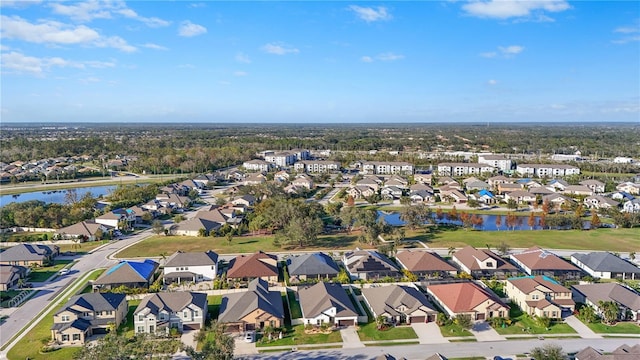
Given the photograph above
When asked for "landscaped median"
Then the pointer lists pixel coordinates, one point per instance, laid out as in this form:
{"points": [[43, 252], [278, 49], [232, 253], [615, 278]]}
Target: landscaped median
{"points": [[30, 346]]}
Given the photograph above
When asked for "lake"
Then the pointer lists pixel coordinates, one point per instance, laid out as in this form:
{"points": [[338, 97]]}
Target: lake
{"points": [[56, 196]]}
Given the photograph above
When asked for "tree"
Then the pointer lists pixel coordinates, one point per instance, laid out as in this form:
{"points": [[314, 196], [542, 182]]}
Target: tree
{"points": [[409, 276], [118, 347], [157, 227], [229, 238], [439, 214], [610, 311], [503, 248], [543, 220], [381, 321], [147, 217], [511, 220], [498, 222], [595, 220], [202, 232], [453, 214], [178, 218], [632, 256], [350, 201], [531, 221], [216, 346], [416, 215], [548, 352], [512, 204], [587, 315], [343, 277], [451, 251], [464, 321], [76, 245]]}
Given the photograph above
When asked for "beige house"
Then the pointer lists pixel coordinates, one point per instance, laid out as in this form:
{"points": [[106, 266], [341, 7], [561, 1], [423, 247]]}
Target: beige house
{"points": [[86, 315], [468, 299], [252, 309], [540, 296], [399, 304]]}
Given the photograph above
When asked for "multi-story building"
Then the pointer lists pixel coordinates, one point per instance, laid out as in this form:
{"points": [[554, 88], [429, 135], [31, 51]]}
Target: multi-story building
{"points": [[461, 169], [497, 161], [386, 167], [316, 166], [547, 170]]}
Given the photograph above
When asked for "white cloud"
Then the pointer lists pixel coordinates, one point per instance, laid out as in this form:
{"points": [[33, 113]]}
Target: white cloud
{"points": [[21, 63], [154, 46], [629, 34], [189, 29], [243, 58], [240, 73], [197, 5], [103, 9], [492, 82], [18, 3], [626, 40], [370, 14], [53, 32], [505, 9], [627, 29], [388, 56], [90, 79], [100, 64], [279, 49], [504, 52]]}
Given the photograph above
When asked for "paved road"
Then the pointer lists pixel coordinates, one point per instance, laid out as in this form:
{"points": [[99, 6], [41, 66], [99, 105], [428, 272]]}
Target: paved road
{"points": [[450, 350], [23, 314]]}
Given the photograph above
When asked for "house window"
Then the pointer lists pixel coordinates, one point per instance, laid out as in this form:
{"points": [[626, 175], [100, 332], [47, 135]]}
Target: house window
{"points": [[554, 314], [65, 318], [318, 322], [65, 337], [489, 264], [196, 313], [76, 337], [272, 323], [534, 297], [185, 314], [140, 317]]}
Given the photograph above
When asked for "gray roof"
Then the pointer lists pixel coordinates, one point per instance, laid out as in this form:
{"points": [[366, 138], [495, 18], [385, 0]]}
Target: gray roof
{"points": [[610, 292], [11, 273], [368, 260], [95, 301], [312, 264], [317, 299], [180, 258], [605, 261], [172, 302], [386, 299], [235, 306], [28, 252]]}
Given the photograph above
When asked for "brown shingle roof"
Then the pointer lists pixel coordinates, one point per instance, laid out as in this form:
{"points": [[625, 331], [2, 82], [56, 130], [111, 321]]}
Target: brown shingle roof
{"points": [[469, 256], [528, 284], [255, 265], [462, 297], [423, 261], [536, 258]]}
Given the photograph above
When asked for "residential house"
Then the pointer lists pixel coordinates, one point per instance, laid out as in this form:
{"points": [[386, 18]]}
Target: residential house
{"points": [[497, 161], [254, 179], [540, 296], [246, 200], [420, 186], [316, 166], [631, 206], [327, 303], [280, 159], [84, 231], [622, 196], [159, 313], [195, 226], [420, 196], [257, 265], [597, 187], [371, 181], [453, 195], [192, 185], [369, 265], [173, 201], [504, 188], [494, 181], [205, 179], [541, 190], [425, 264], [580, 190], [483, 263], [468, 298], [399, 304], [557, 200], [316, 266], [600, 202], [623, 352], [462, 169], [547, 170], [10, 276], [303, 181], [86, 315], [252, 309], [117, 219], [423, 178], [358, 192], [520, 197], [485, 197], [629, 187], [191, 267], [132, 274], [257, 165], [391, 192], [627, 299], [477, 185], [30, 255], [605, 265], [139, 213], [397, 181], [536, 261]]}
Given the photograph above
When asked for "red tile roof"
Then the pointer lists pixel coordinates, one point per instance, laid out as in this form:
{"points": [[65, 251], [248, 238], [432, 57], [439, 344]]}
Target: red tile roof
{"points": [[462, 297]]}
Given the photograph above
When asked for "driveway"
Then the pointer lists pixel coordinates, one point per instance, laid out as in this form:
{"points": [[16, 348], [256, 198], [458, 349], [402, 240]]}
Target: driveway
{"points": [[429, 333], [582, 329], [350, 338], [243, 347], [484, 332]]}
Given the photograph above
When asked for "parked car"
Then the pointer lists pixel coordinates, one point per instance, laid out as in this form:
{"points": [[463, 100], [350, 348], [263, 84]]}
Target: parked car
{"points": [[250, 336]]}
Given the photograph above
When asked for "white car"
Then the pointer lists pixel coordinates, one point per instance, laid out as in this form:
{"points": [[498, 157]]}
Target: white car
{"points": [[249, 336], [63, 272]]}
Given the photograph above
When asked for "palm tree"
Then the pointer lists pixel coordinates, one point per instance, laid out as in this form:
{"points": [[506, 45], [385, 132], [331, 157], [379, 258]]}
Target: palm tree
{"points": [[632, 256], [451, 251]]}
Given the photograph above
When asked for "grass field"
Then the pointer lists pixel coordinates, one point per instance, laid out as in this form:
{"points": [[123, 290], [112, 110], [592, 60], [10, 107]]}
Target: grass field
{"points": [[30, 345], [370, 332], [452, 330], [84, 247], [296, 336], [601, 239], [43, 273], [525, 324], [618, 328]]}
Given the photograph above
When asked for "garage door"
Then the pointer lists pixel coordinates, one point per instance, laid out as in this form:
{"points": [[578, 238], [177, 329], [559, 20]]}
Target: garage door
{"points": [[346, 322], [190, 327], [417, 319], [480, 317], [232, 328], [99, 331]]}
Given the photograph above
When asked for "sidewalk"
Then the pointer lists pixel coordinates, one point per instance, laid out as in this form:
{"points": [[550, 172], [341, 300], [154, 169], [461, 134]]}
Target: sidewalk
{"points": [[582, 329]]}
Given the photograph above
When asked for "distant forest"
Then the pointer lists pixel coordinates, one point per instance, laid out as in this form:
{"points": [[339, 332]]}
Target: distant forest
{"points": [[164, 148]]}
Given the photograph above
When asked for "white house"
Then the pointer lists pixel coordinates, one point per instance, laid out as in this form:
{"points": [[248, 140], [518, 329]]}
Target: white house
{"points": [[327, 303], [192, 266]]}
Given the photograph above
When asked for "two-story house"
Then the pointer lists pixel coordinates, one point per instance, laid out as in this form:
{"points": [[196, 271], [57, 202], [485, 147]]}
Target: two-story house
{"points": [[540, 296], [252, 309], [159, 313], [190, 266], [86, 315]]}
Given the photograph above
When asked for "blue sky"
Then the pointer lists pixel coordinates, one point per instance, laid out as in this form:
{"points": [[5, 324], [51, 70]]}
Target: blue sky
{"points": [[336, 62]]}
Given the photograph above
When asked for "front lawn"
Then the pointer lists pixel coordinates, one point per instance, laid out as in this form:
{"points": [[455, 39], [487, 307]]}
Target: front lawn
{"points": [[370, 332], [454, 330], [618, 328], [296, 336], [40, 274], [524, 324]]}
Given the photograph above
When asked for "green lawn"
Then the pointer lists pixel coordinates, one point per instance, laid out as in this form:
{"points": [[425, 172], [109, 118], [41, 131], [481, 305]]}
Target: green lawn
{"points": [[294, 305], [393, 343], [364, 306], [127, 328], [296, 336], [85, 247], [29, 346], [370, 332], [525, 324], [40, 274], [441, 237], [454, 330], [618, 328]]}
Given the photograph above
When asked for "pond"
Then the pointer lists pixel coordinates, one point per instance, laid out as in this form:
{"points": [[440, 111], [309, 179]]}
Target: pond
{"points": [[55, 196], [488, 221]]}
